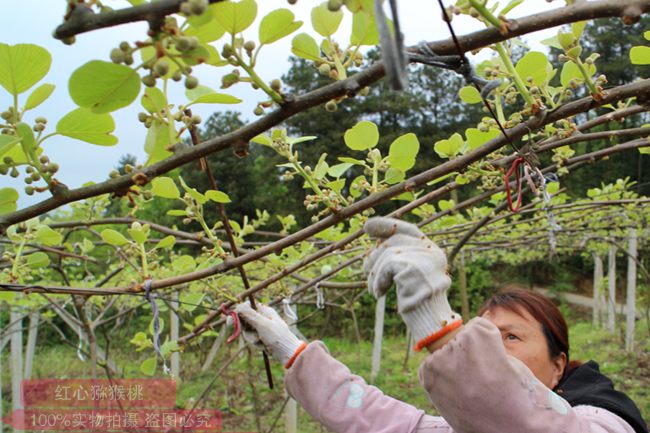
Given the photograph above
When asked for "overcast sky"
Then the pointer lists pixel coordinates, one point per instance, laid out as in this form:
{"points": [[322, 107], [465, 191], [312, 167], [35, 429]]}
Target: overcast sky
{"points": [[32, 21]]}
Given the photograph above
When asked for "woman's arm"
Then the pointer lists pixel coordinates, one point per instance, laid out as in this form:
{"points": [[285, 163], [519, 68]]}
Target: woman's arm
{"points": [[477, 387], [345, 403]]}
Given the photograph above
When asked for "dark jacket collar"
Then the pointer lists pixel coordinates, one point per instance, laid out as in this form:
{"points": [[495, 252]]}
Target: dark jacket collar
{"points": [[586, 385]]}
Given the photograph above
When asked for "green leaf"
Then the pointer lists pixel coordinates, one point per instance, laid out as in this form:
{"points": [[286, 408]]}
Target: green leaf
{"points": [[320, 170], [82, 124], [183, 264], [640, 55], [337, 170], [205, 95], [48, 237], [177, 212], [364, 135], [476, 138], [169, 347], [156, 142], [164, 187], [206, 28], [394, 175], [262, 139], [37, 260], [450, 147], [403, 151], [148, 366], [8, 200], [277, 24], [351, 160], [461, 179], [189, 301], [166, 242], [235, 17], [642, 150], [578, 28], [534, 65], [303, 45], [218, 196], [364, 29], [114, 237], [153, 100], [336, 185], [161, 325], [22, 66], [470, 95], [7, 142], [215, 58], [446, 204], [138, 235], [200, 198], [571, 71], [38, 96], [552, 42], [104, 86], [324, 21], [26, 134]]}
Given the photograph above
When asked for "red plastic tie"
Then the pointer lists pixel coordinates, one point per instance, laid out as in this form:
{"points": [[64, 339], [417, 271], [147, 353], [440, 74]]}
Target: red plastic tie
{"points": [[506, 179], [235, 322]]}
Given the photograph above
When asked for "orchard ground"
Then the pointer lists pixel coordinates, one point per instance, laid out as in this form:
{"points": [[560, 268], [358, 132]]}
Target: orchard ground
{"points": [[232, 395]]}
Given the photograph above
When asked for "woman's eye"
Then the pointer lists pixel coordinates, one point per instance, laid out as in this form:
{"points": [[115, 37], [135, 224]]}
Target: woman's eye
{"points": [[511, 337]]}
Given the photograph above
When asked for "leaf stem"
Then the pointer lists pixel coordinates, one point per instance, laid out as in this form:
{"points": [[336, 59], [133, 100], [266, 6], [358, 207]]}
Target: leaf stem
{"points": [[485, 13], [505, 58], [585, 74]]}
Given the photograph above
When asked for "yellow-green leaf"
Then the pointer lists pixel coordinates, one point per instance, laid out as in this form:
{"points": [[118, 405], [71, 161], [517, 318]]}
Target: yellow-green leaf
{"points": [[324, 21], [48, 237], [364, 135], [8, 200], [205, 95], [164, 187], [37, 260], [153, 100], [534, 65], [114, 237], [278, 24], [470, 95], [39, 95], [157, 141], [235, 17], [640, 55], [364, 29], [403, 151], [82, 124], [450, 147], [218, 196], [148, 366], [303, 45], [104, 86], [22, 66]]}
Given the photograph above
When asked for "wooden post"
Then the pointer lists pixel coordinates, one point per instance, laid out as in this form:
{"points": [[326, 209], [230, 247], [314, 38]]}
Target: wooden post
{"points": [[215, 348], [173, 330], [380, 310], [16, 363], [597, 312], [611, 292], [32, 335], [462, 287], [291, 409], [631, 291]]}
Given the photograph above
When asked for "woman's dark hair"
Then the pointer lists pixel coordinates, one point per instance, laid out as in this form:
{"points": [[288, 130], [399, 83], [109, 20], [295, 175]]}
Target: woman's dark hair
{"points": [[543, 310]]}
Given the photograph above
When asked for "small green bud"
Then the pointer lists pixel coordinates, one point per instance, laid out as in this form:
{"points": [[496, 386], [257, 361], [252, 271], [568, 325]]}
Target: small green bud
{"points": [[331, 106], [14, 172], [149, 81], [6, 115], [185, 8], [177, 75], [53, 167], [191, 82], [113, 174], [198, 7], [4, 169], [276, 85], [196, 119], [364, 91], [29, 190], [183, 44], [334, 5], [161, 67], [44, 159], [142, 117], [117, 55], [41, 119], [124, 46], [324, 69], [249, 46], [258, 111]]}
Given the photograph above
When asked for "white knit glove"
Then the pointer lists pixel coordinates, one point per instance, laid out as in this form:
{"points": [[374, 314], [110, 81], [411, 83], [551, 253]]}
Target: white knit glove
{"points": [[270, 330], [419, 270]]}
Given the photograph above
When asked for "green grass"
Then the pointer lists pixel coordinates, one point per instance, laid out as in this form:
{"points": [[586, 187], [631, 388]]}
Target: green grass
{"points": [[231, 393]]}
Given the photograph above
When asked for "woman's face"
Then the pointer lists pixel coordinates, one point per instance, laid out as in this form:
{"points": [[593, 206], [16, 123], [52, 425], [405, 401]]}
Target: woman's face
{"points": [[524, 339]]}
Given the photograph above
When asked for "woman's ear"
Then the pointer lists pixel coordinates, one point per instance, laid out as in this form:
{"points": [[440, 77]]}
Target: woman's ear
{"points": [[559, 364]]}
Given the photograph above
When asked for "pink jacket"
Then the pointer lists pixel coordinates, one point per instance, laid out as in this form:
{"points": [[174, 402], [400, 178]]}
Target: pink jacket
{"points": [[475, 386]]}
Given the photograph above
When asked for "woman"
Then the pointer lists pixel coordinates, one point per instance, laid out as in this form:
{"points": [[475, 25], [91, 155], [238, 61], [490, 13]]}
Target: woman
{"points": [[495, 374]]}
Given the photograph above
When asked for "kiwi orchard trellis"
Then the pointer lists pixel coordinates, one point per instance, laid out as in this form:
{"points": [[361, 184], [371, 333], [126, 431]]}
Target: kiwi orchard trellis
{"points": [[52, 256]]}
